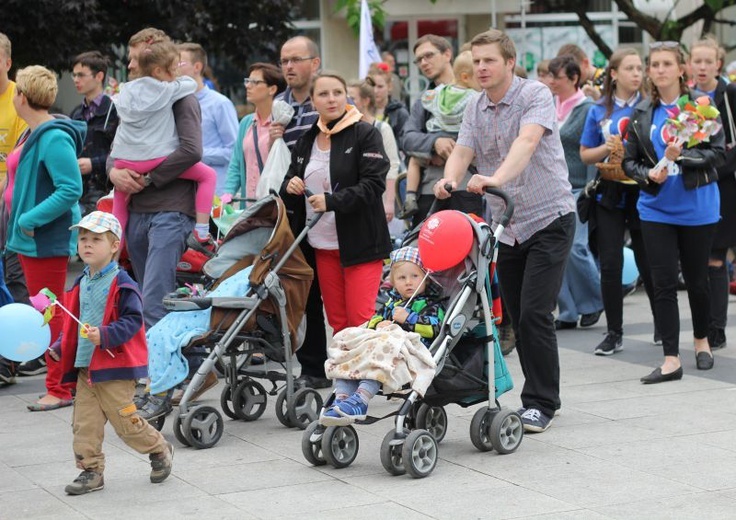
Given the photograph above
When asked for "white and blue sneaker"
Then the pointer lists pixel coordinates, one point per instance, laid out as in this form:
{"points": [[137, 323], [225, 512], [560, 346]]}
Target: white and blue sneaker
{"points": [[345, 412], [535, 421]]}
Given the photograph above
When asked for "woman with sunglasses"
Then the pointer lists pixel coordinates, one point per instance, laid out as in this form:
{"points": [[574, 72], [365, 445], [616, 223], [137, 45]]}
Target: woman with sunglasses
{"points": [[615, 208], [263, 84], [706, 63], [338, 168], [678, 207]]}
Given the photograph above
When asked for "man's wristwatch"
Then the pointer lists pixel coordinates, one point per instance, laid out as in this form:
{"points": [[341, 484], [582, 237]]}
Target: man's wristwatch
{"points": [[147, 180]]}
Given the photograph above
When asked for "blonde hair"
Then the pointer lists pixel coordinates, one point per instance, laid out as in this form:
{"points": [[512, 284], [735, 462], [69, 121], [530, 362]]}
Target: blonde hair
{"points": [[491, 36], [148, 36], [162, 54], [710, 42], [38, 84], [5, 45], [463, 63]]}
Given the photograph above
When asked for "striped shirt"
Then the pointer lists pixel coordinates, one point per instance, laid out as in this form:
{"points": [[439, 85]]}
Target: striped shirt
{"points": [[304, 117], [542, 192]]}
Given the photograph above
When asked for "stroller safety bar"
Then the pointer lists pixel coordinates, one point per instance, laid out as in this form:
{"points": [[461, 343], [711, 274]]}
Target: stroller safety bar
{"points": [[195, 304]]}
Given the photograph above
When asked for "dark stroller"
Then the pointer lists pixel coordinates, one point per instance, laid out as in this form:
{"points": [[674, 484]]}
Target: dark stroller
{"points": [[266, 320], [470, 369]]}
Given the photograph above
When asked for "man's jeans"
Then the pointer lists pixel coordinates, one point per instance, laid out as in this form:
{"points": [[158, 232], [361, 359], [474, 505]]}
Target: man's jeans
{"points": [[156, 242], [530, 275]]}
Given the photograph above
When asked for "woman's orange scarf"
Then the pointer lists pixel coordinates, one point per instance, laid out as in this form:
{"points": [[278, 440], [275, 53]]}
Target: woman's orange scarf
{"points": [[352, 115]]}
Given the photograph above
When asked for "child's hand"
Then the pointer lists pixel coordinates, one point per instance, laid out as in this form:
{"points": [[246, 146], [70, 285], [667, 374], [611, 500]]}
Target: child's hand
{"points": [[93, 334], [400, 314], [383, 324]]}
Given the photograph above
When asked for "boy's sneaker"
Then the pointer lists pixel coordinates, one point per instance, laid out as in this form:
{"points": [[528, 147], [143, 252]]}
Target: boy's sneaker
{"points": [[86, 482], [612, 343], [206, 245], [345, 412], [535, 421], [7, 374], [156, 406], [33, 367], [161, 464]]}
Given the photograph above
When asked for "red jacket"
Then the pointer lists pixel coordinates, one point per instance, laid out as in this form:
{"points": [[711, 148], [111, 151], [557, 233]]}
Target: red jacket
{"points": [[122, 333]]}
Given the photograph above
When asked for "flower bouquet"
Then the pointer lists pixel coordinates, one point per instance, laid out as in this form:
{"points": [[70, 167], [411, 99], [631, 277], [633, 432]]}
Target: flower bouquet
{"points": [[689, 123]]}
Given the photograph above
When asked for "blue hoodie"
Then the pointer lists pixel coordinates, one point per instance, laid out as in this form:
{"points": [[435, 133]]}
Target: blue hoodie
{"points": [[47, 187]]}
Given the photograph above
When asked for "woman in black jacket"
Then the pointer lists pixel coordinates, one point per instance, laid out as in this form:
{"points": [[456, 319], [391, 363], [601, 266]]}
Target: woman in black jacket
{"points": [[678, 207], [706, 62], [342, 163]]}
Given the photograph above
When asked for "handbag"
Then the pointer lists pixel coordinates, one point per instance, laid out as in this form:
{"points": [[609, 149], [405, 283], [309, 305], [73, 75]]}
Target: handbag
{"points": [[586, 199]]}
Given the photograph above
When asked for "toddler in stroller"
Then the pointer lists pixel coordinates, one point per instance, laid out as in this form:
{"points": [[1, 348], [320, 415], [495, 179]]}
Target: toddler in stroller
{"points": [[415, 307], [469, 368]]}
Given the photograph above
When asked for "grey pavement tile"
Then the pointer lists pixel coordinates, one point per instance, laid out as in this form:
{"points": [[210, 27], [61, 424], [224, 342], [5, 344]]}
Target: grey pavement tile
{"points": [[245, 477], [594, 392], [35, 504], [312, 499], [35, 447], [578, 514], [723, 439], [600, 484], [205, 507], [13, 480], [660, 453], [630, 407], [710, 475], [387, 510], [595, 434], [685, 422], [702, 506]]}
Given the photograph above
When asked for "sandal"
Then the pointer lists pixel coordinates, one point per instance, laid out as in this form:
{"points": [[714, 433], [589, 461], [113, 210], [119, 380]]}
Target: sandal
{"points": [[40, 407]]}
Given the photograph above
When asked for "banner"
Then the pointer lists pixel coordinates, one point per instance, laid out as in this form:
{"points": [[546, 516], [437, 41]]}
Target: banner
{"points": [[369, 53]]}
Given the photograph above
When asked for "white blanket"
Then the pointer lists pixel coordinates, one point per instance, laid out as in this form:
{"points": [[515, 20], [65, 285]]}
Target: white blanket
{"points": [[391, 356]]}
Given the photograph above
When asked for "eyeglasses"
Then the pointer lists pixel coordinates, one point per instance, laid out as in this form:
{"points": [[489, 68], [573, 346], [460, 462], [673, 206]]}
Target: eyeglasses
{"points": [[664, 45], [425, 56], [254, 82], [285, 61], [80, 75]]}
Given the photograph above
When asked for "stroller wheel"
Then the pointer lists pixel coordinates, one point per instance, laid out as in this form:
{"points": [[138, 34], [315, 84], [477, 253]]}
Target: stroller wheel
{"points": [[304, 408], [203, 427], [340, 446], [507, 431], [249, 400], [433, 419], [179, 433], [419, 453], [312, 445], [282, 413], [226, 402], [480, 429], [391, 455]]}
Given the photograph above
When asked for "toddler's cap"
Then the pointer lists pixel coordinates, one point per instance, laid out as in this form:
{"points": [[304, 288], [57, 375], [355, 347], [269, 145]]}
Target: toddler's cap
{"points": [[407, 254], [99, 222]]}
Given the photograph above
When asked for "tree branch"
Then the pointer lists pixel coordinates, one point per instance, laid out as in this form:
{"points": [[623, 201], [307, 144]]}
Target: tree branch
{"points": [[648, 23], [591, 30]]}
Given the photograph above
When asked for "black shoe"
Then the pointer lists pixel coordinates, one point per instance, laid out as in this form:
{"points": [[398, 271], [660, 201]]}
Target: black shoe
{"points": [[704, 360], [307, 381], [7, 372], [612, 343], [588, 320], [507, 338], [717, 339], [156, 406], [561, 325], [658, 377], [33, 367]]}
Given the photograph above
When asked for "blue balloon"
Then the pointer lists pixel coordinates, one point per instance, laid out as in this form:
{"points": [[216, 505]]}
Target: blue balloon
{"points": [[24, 334], [630, 272]]}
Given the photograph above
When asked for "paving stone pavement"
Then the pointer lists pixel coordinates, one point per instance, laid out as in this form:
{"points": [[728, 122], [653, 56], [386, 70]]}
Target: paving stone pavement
{"points": [[619, 450]]}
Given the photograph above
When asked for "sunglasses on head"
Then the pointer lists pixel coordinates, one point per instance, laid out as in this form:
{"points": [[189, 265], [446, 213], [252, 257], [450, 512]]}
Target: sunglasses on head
{"points": [[664, 45]]}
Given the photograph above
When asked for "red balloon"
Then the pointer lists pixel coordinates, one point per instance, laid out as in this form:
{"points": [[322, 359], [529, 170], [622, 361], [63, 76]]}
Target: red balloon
{"points": [[445, 240]]}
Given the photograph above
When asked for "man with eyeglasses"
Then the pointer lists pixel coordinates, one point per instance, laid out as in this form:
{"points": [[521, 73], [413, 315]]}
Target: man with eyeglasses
{"points": [[300, 62], [433, 56], [98, 111], [219, 119]]}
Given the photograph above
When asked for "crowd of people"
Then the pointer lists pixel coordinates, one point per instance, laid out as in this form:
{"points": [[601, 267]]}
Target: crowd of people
{"points": [[585, 154]]}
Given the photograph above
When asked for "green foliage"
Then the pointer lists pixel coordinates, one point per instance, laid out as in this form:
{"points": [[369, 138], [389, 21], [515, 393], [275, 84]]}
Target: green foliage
{"points": [[352, 14], [236, 32]]}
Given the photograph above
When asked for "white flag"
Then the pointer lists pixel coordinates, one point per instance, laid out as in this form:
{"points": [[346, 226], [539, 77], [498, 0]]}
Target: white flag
{"points": [[368, 51]]}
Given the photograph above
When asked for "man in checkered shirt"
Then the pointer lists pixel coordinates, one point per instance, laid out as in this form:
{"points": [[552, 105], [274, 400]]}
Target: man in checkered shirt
{"points": [[510, 130]]}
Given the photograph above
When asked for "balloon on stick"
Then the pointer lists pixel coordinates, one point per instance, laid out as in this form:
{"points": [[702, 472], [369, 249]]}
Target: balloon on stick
{"points": [[25, 335]]}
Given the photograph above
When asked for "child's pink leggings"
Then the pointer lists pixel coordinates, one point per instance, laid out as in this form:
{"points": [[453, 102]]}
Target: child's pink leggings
{"points": [[203, 175]]}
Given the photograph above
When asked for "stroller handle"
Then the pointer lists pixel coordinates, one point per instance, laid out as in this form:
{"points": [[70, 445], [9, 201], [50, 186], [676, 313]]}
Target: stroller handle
{"points": [[509, 211]]}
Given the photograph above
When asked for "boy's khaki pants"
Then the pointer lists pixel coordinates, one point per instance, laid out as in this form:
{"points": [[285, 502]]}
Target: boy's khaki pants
{"points": [[97, 403]]}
